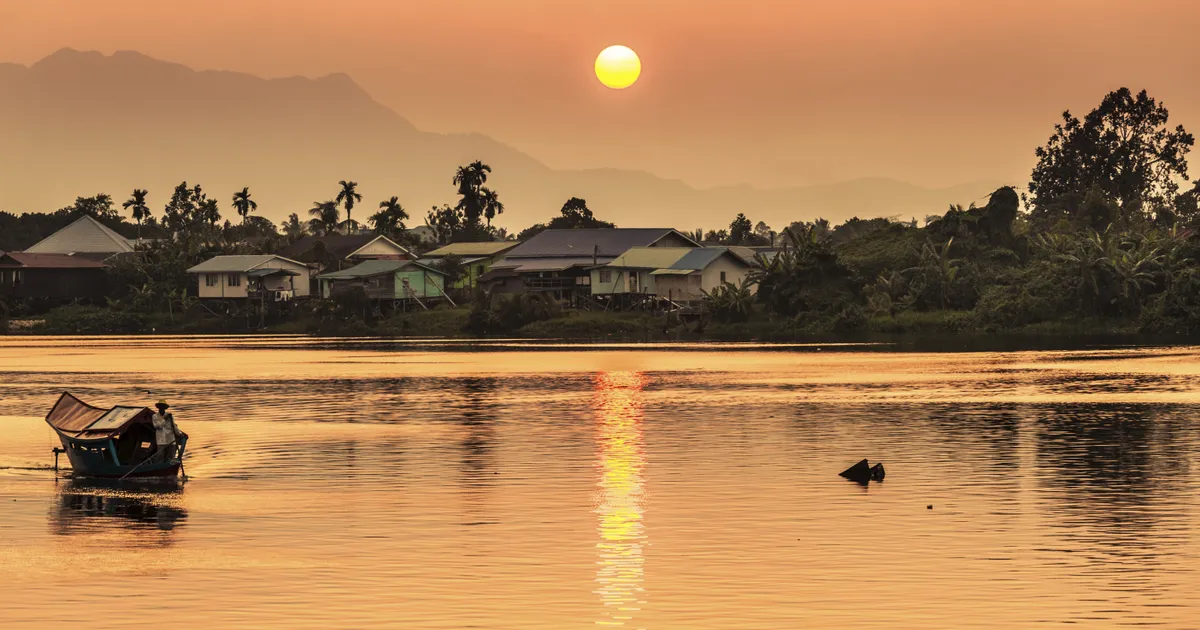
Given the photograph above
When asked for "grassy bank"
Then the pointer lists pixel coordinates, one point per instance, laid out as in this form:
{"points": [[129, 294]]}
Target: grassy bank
{"points": [[566, 324]]}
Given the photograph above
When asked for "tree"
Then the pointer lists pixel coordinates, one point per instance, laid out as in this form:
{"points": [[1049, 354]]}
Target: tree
{"points": [[1123, 150], [243, 204], [573, 215], [348, 196], [740, 230], [470, 180], [764, 233], [136, 204], [293, 228], [447, 223], [325, 217], [390, 218], [490, 202]]}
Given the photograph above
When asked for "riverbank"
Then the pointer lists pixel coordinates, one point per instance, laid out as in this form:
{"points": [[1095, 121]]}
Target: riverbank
{"points": [[569, 324]]}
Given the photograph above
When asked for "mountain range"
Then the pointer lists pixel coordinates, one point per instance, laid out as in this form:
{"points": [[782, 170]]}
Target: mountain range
{"points": [[78, 123]]}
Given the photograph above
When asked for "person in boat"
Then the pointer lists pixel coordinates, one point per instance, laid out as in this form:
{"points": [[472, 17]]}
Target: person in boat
{"points": [[166, 434]]}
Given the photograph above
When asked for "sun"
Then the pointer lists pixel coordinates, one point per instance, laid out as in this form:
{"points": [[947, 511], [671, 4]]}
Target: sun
{"points": [[618, 67]]}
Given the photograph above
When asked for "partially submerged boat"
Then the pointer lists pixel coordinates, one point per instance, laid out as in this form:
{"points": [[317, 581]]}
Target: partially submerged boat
{"points": [[117, 442]]}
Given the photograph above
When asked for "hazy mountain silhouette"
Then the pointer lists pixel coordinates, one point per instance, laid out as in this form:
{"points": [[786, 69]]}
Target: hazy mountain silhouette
{"points": [[78, 123]]}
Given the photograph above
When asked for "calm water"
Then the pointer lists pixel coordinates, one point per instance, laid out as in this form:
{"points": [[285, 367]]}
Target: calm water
{"points": [[440, 485]]}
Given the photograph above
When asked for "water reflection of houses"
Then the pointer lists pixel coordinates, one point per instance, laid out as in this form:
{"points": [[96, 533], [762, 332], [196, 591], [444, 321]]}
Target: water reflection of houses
{"points": [[93, 506], [620, 573]]}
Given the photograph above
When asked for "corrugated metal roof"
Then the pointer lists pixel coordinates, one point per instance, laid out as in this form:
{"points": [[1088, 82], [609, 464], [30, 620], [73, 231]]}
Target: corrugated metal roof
{"points": [[606, 242], [86, 234], [240, 263], [472, 249], [369, 268], [649, 257], [702, 257], [48, 261], [527, 265]]}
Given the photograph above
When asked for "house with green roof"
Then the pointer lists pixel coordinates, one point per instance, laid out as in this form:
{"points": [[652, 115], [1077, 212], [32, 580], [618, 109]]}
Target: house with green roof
{"points": [[679, 274], [387, 280], [476, 259]]}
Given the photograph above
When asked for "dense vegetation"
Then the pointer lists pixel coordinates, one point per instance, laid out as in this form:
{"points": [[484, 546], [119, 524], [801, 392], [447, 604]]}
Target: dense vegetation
{"points": [[1105, 238]]}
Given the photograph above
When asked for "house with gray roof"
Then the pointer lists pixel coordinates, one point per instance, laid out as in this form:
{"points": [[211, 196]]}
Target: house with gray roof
{"points": [[672, 273], [558, 262], [252, 276], [392, 280], [85, 237]]}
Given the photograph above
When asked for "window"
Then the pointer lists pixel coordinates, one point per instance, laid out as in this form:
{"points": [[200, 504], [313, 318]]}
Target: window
{"points": [[722, 277], [211, 279], [479, 270], [233, 280], [605, 275], [18, 277]]}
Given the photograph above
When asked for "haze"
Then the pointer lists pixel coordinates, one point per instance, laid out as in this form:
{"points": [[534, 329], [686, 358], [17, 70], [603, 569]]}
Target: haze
{"points": [[771, 93]]}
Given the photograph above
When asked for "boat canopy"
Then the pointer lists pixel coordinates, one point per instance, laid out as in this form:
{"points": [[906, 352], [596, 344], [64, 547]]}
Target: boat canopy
{"points": [[78, 420]]}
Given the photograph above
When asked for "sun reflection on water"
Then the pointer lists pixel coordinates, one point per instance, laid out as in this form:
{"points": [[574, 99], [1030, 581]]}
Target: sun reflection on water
{"points": [[620, 573]]}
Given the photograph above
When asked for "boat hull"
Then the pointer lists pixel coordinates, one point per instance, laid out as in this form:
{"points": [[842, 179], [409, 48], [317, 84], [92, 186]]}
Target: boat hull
{"points": [[92, 459]]}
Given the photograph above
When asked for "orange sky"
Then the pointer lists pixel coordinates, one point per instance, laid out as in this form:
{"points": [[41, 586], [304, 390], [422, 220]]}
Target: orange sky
{"points": [[770, 92]]}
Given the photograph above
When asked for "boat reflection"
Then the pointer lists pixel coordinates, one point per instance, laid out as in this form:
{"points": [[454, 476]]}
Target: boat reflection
{"points": [[91, 505], [620, 575]]}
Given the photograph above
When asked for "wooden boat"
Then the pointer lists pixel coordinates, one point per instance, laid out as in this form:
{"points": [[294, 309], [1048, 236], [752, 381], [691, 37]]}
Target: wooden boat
{"points": [[116, 442]]}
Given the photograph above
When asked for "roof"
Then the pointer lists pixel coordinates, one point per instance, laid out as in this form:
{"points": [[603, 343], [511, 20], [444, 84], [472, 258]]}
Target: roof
{"points": [[604, 242], [525, 265], [649, 257], [86, 234], [369, 268], [486, 249], [702, 257], [80, 420], [26, 260], [268, 271], [337, 245], [237, 264], [466, 260]]}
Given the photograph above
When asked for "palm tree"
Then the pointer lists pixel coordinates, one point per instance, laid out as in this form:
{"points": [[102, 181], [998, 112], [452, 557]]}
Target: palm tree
{"points": [[390, 218], [136, 204], [326, 216], [348, 196], [243, 203], [490, 204], [293, 228], [470, 180]]}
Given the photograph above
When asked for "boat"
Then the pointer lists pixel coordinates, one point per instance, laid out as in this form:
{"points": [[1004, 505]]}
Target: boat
{"points": [[115, 443]]}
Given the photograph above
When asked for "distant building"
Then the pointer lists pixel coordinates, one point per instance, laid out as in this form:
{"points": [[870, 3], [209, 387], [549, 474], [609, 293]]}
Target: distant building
{"points": [[270, 277], [557, 262], [476, 258], [673, 273], [51, 276], [387, 280], [86, 237]]}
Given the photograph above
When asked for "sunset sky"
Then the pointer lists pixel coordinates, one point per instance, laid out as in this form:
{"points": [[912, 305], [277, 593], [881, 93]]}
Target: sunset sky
{"points": [[768, 92]]}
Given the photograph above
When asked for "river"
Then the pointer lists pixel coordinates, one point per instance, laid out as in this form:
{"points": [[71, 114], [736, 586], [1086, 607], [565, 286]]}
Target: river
{"points": [[445, 484]]}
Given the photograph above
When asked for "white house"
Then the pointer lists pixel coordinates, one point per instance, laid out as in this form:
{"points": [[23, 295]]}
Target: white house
{"points": [[268, 276], [676, 274]]}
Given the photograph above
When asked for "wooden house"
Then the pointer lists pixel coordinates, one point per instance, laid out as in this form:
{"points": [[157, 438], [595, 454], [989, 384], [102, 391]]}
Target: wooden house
{"points": [[51, 276], [558, 262], [673, 273], [387, 280], [701, 271], [86, 237], [476, 258], [341, 251], [270, 277]]}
